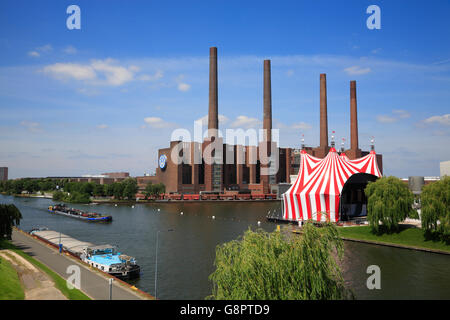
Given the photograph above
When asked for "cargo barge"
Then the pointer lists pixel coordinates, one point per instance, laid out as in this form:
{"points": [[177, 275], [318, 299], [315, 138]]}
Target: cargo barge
{"points": [[61, 209], [105, 257]]}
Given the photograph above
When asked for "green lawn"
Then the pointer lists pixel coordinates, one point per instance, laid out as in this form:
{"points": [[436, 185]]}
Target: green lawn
{"points": [[10, 288], [60, 283], [412, 237]]}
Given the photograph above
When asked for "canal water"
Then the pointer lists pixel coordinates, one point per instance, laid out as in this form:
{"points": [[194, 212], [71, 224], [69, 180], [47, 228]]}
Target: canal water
{"points": [[187, 242]]}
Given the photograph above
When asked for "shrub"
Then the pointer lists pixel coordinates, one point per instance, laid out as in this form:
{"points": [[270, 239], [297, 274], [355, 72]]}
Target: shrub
{"points": [[265, 266], [435, 212], [9, 216], [58, 196], [389, 201]]}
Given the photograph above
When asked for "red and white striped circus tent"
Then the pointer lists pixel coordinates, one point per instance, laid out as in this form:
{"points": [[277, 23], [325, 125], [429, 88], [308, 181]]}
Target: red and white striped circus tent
{"points": [[319, 184]]}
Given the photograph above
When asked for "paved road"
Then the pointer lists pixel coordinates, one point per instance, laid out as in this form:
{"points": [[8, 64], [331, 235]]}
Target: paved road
{"points": [[93, 284]]}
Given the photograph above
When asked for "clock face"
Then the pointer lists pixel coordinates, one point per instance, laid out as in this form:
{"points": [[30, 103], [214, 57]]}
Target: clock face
{"points": [[162, 161]]}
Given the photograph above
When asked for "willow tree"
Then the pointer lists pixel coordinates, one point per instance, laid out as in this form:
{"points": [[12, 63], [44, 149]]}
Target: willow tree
{"points": [[280, 266], [435, 212], [389, 201], [9, 216]]}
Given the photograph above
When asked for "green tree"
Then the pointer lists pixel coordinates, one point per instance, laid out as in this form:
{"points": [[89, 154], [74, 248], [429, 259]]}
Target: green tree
{"points": [[17, 186], [118, 190], [47, 185], [109, 189], [281, 266], [30, 185], [158, 189], [78, 197], [99, 190], [7, 186], [148, 191], [389, 201], [9, 216], [435, 211], [58, 196], [86, 187], [130, 188]]}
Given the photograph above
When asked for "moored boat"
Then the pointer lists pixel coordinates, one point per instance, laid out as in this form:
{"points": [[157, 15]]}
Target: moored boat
{"points": [[61, 209], [107, 259], [103, 257]]}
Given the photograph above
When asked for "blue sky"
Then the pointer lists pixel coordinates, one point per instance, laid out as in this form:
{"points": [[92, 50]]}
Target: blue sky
{"points": [[106, 97]]}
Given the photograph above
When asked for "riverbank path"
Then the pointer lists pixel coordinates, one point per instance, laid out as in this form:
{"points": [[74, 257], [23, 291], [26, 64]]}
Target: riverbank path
{"points": [[92, 282]]}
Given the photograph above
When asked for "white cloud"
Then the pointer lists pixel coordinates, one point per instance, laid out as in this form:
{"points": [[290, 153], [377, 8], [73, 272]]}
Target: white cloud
{"points": [[222, 120], [70, 50], [386, 119], [145, 77], [301, 126], [34, 54], [403, 114], [102, 126], [71, 70], [88, 91], [245, 122], [115, 75], [376, 51], [98, 72], [31, 126], [397, 114], [357, 70], [156, 122], [46, 48], [443, 120], [184, 87]]}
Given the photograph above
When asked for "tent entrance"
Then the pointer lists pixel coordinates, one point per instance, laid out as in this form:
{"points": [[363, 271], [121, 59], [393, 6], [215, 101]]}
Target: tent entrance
{"points": [[353, 201]]}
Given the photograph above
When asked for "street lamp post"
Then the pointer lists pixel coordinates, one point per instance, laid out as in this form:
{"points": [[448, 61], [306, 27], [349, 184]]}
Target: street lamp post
{"points": [[156, 261]]}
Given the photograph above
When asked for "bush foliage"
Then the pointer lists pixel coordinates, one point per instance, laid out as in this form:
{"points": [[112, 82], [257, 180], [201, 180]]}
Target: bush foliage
{"points": [[264, 266], [435, 212], [9, 216], [389, 201]]}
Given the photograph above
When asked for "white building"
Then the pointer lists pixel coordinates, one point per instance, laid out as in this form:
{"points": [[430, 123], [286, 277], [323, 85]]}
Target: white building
{"points": [[445, 168]]}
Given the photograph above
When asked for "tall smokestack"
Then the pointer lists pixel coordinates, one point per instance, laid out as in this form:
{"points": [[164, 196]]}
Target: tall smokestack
{"points": [[323, 111], [353, 117], [267, 121], [213, 117]]}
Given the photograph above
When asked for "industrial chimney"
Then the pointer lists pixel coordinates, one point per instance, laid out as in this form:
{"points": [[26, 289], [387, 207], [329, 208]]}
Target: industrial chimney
{"points": [[213, 117], [353, 117], [267, 121], [323, 112]]}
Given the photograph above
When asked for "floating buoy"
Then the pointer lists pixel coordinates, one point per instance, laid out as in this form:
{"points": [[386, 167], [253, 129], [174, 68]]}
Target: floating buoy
{"points": [[132, 207], [159, 209], [181, 212], [115, 205], [213, 217], [259, 222]]}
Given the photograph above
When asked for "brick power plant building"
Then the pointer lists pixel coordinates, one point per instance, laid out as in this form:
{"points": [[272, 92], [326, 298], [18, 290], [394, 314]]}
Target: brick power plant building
{"points": [[245, 176]]}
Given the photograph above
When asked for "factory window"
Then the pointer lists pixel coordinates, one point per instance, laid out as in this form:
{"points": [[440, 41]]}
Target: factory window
{"points": [[186, 174]]}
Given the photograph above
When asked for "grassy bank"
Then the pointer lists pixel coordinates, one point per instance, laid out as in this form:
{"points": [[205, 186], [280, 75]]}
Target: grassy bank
{"points": [[60, 283], [411, 237], [10, 288]]}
